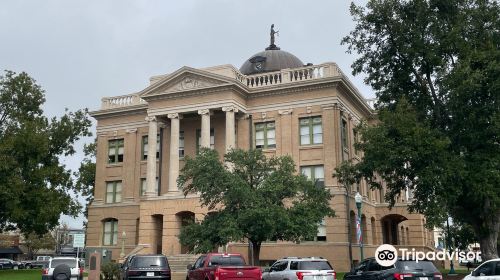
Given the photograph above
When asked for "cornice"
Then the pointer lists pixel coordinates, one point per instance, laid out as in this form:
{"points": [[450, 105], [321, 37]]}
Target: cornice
{"points": [[121, 111]]}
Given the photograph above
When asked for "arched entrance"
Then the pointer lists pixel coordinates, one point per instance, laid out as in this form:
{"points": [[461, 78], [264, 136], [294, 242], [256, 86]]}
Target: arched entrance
{"points": [[390, 229], [184, 218]]}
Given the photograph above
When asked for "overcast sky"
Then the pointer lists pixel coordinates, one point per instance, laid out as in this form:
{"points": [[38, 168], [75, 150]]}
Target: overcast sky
{"points": [[81, 51]]}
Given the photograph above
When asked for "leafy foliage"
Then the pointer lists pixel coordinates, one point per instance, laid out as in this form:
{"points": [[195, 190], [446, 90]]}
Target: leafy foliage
{"points": [[256, 198], [434, 65], [85, 177], [110, 271], [34, 184]]}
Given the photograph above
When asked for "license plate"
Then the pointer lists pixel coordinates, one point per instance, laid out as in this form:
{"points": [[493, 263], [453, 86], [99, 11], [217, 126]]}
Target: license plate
{"points": [[73, 278], [153, 274], [423, 278]]}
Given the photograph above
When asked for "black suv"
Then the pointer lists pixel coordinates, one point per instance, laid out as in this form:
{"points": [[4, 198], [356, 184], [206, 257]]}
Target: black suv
{"points": [[145, 267], [369, 269]]}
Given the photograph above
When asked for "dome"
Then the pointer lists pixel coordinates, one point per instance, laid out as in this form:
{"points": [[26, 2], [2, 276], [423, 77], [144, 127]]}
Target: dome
{"points": [[272, 59]]}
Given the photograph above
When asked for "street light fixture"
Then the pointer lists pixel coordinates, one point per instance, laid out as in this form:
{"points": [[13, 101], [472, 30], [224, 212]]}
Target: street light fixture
{"points": [[359, 200], [122, 253]]}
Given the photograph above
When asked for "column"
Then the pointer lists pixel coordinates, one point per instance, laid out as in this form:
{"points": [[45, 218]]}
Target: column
{"points": [[151, 164], [230, 131], [173, 171], [205, 128]]}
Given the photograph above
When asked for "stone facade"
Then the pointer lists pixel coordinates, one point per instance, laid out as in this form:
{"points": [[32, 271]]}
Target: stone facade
{"points": [[219, 107]]}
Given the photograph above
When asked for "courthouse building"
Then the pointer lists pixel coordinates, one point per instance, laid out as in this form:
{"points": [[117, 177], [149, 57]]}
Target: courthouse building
{"points": [[274, 102]]}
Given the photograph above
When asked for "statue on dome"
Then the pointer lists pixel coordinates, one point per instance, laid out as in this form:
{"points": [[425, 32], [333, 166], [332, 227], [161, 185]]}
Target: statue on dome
{"points": [[272, 35]]}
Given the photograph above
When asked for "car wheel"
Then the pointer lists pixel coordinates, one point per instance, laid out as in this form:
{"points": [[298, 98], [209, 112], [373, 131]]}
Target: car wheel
{"points": [[28, 266]]}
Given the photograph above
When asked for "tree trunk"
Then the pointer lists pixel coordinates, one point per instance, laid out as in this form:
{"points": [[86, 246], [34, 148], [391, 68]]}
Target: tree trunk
{"points": [[256, 252], [487, 231], [488, 244]]}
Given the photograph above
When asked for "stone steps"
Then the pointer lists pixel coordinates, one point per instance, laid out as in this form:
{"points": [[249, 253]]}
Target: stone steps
{"points": [[178, 263]]}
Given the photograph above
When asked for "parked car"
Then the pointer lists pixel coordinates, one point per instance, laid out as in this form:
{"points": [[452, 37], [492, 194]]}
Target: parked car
{"points": [[40, 262], [221, 267], [10, 264], [488, 270], [295, 268], [369, 269], [57, 266], [145, 267]]}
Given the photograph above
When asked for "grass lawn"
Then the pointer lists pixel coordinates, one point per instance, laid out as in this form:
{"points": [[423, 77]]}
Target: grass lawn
{"points": [[21, 274]]}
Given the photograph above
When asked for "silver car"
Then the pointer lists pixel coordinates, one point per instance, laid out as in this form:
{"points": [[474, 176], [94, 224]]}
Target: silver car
{"points": [[295, 268]]}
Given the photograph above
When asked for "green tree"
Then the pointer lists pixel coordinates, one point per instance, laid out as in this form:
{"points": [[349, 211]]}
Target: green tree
{"points": [[85, 176], [35, 242], [434, 65], [251, 197], [460, 236], [34, 185]]}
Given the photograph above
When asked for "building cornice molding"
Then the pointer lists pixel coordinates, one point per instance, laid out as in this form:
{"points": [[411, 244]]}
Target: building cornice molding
{"points": [[103, 130], [118, 112]]}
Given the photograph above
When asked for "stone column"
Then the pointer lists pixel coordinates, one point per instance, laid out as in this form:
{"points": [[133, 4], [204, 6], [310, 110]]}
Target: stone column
{"points": [[230, 131], [173, 171], [151, 164], [205, 128]]}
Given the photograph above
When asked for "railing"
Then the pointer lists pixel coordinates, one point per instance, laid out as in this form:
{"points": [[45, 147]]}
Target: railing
{"points": [[121, 101], [286, 76]]}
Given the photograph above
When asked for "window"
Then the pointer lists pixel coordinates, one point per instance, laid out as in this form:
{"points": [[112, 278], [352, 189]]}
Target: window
{"points": [[344, 140], [315, 174], [356, 140], [110, 234], [145, 147], [142, 190], [181, 144], [311, 131], [114, 192], [198, 139], [265, 135], [115, 151], [321, 235]]}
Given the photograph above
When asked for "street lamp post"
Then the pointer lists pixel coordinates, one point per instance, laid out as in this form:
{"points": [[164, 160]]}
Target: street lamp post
{"points": [[359, 200], [448, 242], [122, 253]]}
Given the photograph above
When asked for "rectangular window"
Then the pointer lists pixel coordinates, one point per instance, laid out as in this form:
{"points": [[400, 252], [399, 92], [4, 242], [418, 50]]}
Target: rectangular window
{"points": [[110, 236], [145, 148], [265, 135], [356, 140], [198, 139], [343, 134], [115, 151], [181, 144], [311, 131], [314, 173], [142, 190], [114, 192], [321, 235]]}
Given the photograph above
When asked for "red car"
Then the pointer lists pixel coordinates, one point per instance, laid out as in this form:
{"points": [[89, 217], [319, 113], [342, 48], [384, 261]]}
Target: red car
{"points": [[222, 267]]}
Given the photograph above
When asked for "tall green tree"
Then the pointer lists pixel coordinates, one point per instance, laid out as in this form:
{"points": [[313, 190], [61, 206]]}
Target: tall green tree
{"points": [[85, 176], [252, 197], [434, 65], [35, 186]]}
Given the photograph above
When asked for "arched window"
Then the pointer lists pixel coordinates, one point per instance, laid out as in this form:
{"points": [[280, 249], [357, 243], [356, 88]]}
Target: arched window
{"points": [[408, 235], [110, 232]]}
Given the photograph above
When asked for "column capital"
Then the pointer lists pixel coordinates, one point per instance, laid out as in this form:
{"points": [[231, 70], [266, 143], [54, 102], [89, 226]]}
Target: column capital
{"points": [[230, 109], [285, 112], [204, 112], [174, 116], [150, 118]]}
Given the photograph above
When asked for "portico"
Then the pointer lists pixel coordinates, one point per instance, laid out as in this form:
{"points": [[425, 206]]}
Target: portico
{"points": [[173, 120]]}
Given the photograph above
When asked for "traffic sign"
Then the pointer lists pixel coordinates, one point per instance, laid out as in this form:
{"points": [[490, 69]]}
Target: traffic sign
{"points": [[78, 240]]}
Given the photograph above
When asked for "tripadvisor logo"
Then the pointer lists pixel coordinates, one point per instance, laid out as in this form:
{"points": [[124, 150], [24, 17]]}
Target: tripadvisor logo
{"points": [[387, 255]]}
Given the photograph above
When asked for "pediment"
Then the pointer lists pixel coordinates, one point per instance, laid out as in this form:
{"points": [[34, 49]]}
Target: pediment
{"points": [[185, 79]]}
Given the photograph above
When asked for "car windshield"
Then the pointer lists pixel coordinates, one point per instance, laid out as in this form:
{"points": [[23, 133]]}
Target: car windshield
{"points": [[417, 266], [313, 265], [227, 260], [69, 262], [149, 261]]}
